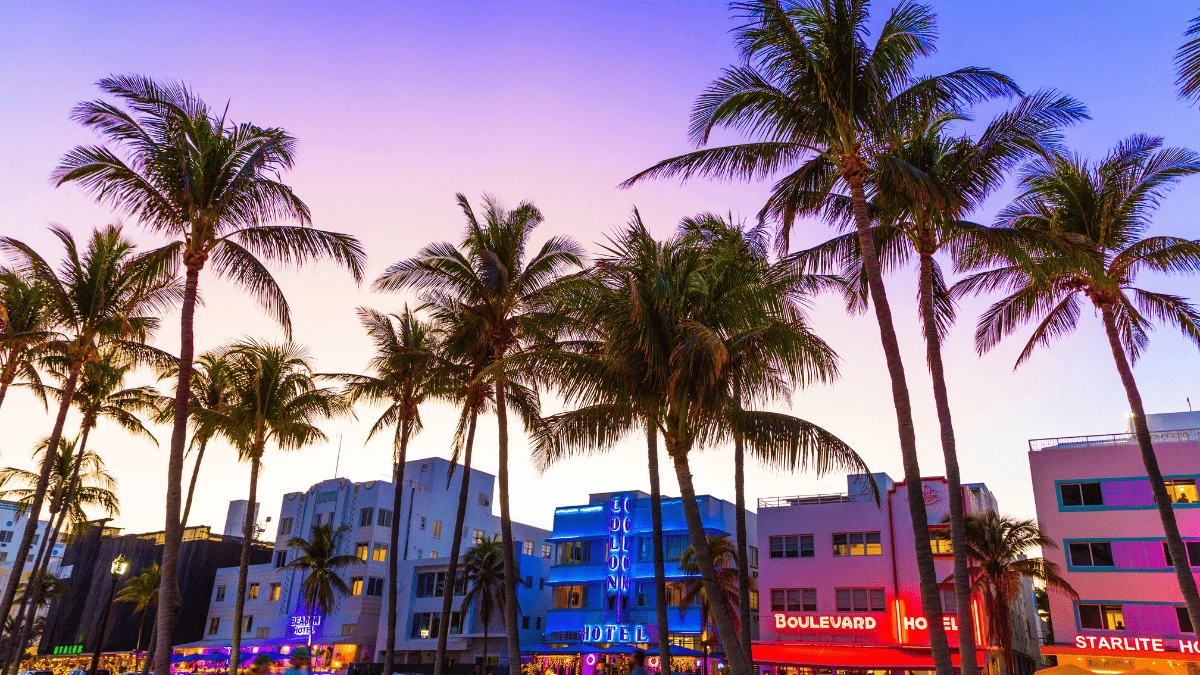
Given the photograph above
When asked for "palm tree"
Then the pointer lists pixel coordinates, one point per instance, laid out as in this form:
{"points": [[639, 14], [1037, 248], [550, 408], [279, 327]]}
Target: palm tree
{"points": [[107, 293], [320, 559], [1187, 63], [142, 591], [512, 298], [273, 399], [485, 578], [24, 326], [999, 545], [214, 188], [927, 184], [210, 391], [405, 374], [725, 557], [96, 488], [821, 104], [1099, 213]]}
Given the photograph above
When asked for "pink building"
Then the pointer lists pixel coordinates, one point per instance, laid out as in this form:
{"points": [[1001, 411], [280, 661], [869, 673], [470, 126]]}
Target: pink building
{"points": [[838, 582], [1094, 500]]}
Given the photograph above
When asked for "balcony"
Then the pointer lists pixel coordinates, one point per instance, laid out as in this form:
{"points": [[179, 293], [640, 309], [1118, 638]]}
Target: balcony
{"points": [[777, 502], [1105, 440]]}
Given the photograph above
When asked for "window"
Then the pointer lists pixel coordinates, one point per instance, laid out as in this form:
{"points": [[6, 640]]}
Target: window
{"points": [[285, 527], [280, 558], [1081, 494], [547, 551], [527, 547], [5, 536], [426, 625], [433, 554], [366, 517], [1185, 621], [1193, 552], [214, 624], [1182, 490], [752, 553], [860, 599], [674, 545], [949, 601], [572, 552], [252, 591], [1102, 617], [375, 586], [362, 550], [422, 525], [525, 623], [857, 543], [477, 537], [379, 554], [3, 556], [537, 624], [528, 581], [939, 541], [273, 593], [484, 499], [385, 518], [220, 596], [437, 529], [570, 597], [349, 629], [541, 584], [793, 599], [262, 632], [247, 624], [1091, 554], [356, 585], [676, 593]]}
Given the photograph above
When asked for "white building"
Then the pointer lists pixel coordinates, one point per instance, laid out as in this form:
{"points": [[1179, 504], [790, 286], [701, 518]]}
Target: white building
{"points": [[12, 528], [356, 629]]}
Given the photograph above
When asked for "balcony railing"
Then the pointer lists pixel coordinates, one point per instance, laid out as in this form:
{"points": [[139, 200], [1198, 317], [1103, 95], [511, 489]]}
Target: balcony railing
{"points": [[1180, 436], [775, 502]]}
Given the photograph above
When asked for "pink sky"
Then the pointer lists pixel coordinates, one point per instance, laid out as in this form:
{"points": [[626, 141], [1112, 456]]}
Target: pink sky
{"points": [[398, 106]]}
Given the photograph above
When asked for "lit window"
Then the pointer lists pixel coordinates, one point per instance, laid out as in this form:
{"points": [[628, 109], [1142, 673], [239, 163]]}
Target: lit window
{"points": [[214, 624], [362, 550], [380, 553], [570, 597], [437, 529], [939, 541], [477, 537], [1182, 490], [1102, 617], [252, 592], [356, 585], [857, 544], [273, 595]]}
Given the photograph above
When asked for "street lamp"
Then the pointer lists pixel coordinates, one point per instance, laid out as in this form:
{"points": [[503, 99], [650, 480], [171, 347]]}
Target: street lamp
{"points": [[119, 567]]}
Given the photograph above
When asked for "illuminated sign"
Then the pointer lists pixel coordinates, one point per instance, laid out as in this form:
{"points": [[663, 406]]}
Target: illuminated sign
{"points": [[68, 649], [1131, 644], [620, 522], [615, 632], [305, 625], [846, 622]]}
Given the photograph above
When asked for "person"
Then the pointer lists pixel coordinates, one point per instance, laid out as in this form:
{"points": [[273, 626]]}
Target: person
{"points": [[639, 663], [301, 662], [261, 666]]}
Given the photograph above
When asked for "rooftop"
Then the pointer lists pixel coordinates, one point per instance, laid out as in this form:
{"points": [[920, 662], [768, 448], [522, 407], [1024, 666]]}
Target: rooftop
{"points": [[775, 502], [1111, 440]]}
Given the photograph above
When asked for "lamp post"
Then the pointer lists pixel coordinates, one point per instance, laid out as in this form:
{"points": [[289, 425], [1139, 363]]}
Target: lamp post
{"points": [[119, 567]]}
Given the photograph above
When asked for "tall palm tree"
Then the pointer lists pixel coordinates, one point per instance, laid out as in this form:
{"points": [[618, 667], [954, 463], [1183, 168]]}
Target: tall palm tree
{"points": [[1187, 63], [928, 183], [820, 104], [725, 557], [404, 373], [512, 296], [274, 400], [210, 391], [96, 488], [319, 558], [107, 293], [999, 546], [485, 578], [1099, 214], [142, 592], [24, 326], [213, 187]]}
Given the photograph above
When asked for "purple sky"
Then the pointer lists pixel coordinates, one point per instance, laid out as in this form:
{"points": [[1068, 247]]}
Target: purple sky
{"points": [[400, 105]]}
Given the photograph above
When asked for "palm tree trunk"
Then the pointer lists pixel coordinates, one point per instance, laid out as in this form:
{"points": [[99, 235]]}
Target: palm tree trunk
{"points": [[660, 566], [389, 652], [485, 646], [187, 505], [172, 530], [930, 602], [8, 375], [239, 606], [743, 553], [1183, 571], [512, 625], [704, 560], [39, 492], [151, 647], [958, 540], [138, 647], [439, 658]]}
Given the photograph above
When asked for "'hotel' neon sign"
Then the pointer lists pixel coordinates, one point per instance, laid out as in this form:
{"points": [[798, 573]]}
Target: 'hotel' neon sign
{"points": [[615, 632], [305, 625]]}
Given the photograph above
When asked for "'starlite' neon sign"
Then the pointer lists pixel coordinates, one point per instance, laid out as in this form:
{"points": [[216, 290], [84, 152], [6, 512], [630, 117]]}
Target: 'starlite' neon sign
{"points": [[615, 632]]}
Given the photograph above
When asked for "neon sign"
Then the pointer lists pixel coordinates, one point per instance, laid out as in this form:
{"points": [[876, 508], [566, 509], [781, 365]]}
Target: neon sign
{"points": [[826, 621], [620, 522], [1132, 644], [614, 632], [305, 625]]}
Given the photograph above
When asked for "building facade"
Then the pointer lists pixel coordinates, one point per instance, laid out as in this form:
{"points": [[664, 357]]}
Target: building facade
{"points": [[13, 521], [1093, 499], [839, 582], [354, 632], [602, 577]]}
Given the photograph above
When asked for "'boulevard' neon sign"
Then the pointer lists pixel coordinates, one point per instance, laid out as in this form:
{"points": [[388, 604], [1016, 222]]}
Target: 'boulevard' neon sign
{"points": [[826, 621]]}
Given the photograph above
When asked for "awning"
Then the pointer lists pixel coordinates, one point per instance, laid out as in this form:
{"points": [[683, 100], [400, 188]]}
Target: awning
{"points": [[846, 655], [1062, 650]]}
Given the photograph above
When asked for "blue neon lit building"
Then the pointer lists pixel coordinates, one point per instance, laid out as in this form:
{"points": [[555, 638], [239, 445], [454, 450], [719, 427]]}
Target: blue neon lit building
{"points": [[602, 578]]}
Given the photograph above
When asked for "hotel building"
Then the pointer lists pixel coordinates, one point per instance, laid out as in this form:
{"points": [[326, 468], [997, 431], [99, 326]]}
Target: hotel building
{"points": [[839, 583], [1093, 499], [355, 631], [602, 577]]}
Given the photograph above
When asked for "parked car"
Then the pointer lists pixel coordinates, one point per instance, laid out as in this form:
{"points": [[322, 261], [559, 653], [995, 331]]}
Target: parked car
{"points": [[36, 672]]}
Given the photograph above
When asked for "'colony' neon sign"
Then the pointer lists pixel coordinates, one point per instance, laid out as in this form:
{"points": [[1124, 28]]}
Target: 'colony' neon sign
{"points": [[620, 522]]}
